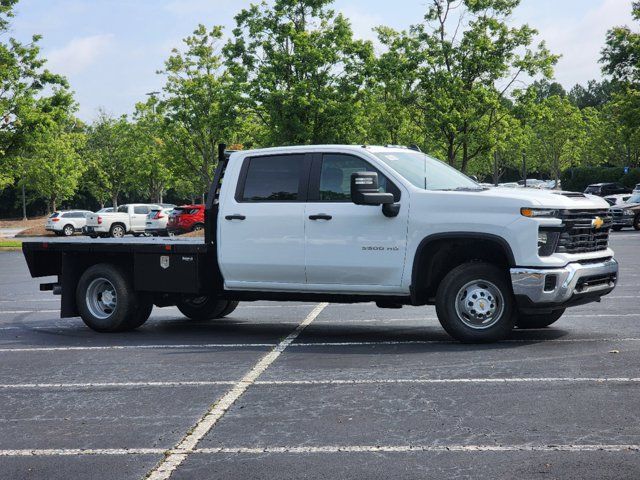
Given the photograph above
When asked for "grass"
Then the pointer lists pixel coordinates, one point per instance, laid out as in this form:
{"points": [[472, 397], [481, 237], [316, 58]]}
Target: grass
{"points": [[9, 244]]}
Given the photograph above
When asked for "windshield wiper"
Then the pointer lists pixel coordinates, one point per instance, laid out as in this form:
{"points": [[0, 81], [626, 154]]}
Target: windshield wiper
{"points": [[463, 189]]}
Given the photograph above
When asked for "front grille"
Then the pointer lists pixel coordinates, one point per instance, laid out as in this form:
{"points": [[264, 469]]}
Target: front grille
{"points": [[579, 235], [616, 213]]}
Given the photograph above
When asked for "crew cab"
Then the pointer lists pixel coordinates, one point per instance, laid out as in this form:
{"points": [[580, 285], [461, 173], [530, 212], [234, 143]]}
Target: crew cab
{"points": [[350, 224], [131, 218]]}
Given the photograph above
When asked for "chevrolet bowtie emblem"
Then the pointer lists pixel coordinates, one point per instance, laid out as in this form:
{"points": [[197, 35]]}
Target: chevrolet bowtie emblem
{"points": [[597, 223]]}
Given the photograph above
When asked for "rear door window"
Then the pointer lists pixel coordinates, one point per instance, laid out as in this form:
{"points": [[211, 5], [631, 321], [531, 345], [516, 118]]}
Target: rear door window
{"points": [[141, 210], [274, 178]]}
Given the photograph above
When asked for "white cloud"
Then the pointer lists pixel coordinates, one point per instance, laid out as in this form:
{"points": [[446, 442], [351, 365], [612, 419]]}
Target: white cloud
{"points": [[580, 39], [182, 7], [78, 54]]}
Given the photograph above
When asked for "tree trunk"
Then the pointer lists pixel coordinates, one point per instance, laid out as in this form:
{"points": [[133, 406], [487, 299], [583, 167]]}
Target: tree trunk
{"points": [[24, 204], [114, 201], [556, 166], [451, 156], [465, 157], [495, 169], [53, 203]]}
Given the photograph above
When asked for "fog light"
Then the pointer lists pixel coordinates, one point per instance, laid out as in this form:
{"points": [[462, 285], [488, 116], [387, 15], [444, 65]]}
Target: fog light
{"points": [[547, 241], [550, 282]]}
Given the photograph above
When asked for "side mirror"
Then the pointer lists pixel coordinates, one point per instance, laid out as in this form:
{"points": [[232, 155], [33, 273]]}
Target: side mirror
{"points": [[364, 190]]}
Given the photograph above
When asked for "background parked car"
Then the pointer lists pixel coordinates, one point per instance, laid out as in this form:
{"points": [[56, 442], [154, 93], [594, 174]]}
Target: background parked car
{"points": [[67, 222], [627, 214], [129, 218], [157, 221], [186, 218], [606, 189], [617, 199], [105, 210]]}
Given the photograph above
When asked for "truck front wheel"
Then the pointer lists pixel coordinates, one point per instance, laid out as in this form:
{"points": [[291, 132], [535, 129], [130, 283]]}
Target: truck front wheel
{"points": [[539, 320], [474, 303], [106, 300], [206, 308]]}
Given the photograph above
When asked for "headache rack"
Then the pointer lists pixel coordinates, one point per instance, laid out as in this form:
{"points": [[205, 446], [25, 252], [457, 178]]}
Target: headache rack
{"points": [[584, 231]]}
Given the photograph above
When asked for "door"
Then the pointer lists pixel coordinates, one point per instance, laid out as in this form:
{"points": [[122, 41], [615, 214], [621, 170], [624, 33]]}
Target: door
{"points": [[261, 227], [139, 217], [348, 244]]}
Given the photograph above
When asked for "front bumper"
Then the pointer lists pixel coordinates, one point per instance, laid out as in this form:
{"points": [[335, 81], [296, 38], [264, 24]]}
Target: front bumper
{"points": [[623, 221], [574, 284]]}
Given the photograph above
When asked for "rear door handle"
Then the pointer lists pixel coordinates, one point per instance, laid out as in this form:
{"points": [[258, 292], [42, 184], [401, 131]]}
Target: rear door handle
{"points": [[235, 217], [320, 216]]}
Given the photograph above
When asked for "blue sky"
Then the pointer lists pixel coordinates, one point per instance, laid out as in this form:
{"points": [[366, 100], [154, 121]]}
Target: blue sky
{"points": [[111, 49]]}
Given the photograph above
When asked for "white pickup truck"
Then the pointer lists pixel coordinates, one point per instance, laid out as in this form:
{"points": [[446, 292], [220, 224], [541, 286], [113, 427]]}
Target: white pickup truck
{"points": [[129, 218], [351, 224]]}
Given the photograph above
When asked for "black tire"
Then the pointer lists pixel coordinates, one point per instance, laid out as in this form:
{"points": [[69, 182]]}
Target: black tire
{"points": [[206, 308], [636, 222], [57, 233], [539, 320], [230, 308], [197, 227], [128, 310], [616, 228], [93, 236], [68, 230], [117, 230], [489, 281]]}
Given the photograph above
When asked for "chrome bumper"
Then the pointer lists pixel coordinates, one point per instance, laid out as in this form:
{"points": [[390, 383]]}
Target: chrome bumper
{"points": [[574, 279]]}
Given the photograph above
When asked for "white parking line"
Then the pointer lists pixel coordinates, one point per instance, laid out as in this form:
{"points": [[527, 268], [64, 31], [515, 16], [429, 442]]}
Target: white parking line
{"points": [[452, 380], [18, 386], [304, 344], [327, 449], [187, 445], [63, 452], [425, 448], [276, 383], [15, 312], [137, 347]]}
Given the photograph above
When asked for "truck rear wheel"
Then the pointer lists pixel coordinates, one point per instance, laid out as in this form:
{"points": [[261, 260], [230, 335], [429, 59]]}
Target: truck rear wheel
{"points": [[206, 308], [474, 303], [106, 300], [539, 320]]}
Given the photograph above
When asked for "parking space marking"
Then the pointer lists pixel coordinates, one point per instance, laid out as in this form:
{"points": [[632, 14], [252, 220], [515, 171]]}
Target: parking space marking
{"points": [[17, 386], [371, 381], [453, 380], [302, 344], [187, 445], [426, 448], [63, 452], [137, 347]]}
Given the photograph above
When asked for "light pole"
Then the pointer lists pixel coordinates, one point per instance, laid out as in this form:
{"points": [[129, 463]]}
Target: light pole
{"points": [[153, 95]]}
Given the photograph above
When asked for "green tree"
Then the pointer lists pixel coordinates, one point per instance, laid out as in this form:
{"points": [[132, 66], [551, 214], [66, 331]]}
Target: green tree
{"points": [[111, 161], [151, 163], [465, 70], [53, 168], [558, 132], [202, 104], [302, 69], [621, 53], [23, 80]]}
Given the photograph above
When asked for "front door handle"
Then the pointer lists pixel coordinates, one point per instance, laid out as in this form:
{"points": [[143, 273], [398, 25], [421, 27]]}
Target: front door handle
{"points": [[235, 217], [320, 216]]}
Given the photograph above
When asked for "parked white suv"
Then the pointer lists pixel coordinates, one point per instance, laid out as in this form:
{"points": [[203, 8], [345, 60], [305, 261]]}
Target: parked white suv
{"points": [[67, 222], [129, 218], [157, 221]]}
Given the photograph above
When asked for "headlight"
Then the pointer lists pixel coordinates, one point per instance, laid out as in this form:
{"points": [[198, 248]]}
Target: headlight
{"points": [[547, 241], [540, 212]]}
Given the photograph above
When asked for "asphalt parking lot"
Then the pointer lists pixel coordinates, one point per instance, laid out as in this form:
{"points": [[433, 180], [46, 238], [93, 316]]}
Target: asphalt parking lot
{"points": [[318, 391]]}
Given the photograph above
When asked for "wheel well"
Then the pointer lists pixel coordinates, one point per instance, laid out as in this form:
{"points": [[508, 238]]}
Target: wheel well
{"points": [[118, 223], [437, 256]]}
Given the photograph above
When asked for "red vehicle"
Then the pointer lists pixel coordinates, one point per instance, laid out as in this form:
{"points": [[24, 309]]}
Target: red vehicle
{"points": [[186, 218]]}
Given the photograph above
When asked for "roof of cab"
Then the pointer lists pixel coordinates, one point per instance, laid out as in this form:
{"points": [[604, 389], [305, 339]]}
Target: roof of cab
{"points": [[319, 148]]}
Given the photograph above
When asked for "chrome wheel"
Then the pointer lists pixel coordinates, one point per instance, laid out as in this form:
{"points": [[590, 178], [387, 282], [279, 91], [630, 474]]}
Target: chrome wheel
{"points": [[68, 230], [101, 298], [479, 304]]}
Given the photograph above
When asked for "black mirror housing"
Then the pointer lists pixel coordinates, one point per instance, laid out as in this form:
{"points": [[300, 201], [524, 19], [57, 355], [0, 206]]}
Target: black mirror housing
{"points": [[364, 190]]}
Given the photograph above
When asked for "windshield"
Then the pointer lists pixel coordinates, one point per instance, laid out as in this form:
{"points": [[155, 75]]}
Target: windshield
{"points": [[426, 172], [635, 198]]}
